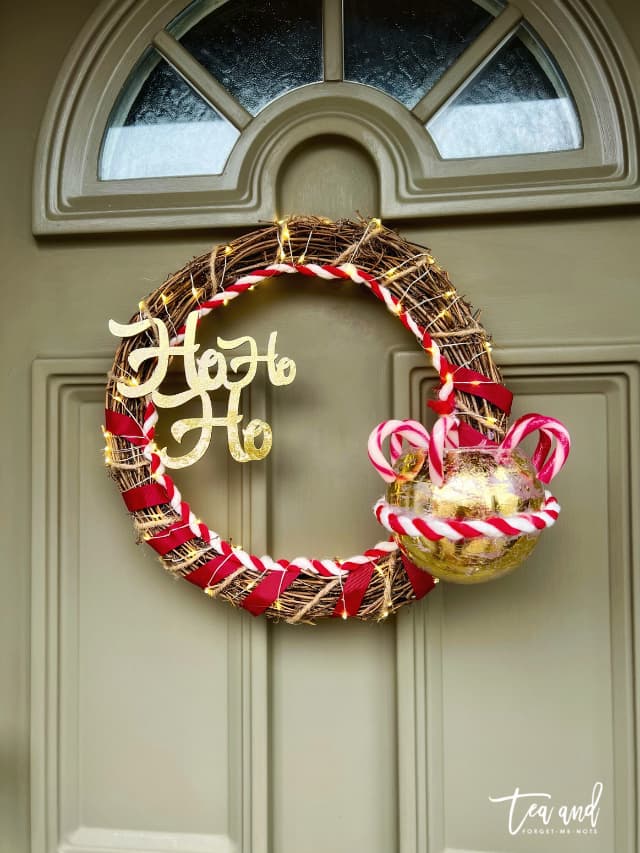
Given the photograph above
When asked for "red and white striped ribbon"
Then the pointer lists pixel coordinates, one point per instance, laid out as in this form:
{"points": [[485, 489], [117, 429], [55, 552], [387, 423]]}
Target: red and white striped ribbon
{"points": [[328, 272], [433, 528]]}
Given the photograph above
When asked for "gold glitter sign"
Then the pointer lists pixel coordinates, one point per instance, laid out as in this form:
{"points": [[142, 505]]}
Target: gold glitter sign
{"points": [[209, 372]]}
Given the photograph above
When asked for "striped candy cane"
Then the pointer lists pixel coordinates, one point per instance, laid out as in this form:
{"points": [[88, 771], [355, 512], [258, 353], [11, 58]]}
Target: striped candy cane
{"points": [[547, 462], [397, 432], [444, 437]]}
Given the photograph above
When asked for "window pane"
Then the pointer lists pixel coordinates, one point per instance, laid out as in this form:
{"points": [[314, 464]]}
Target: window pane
{"points": [[404, 47], [518, 104], [257, 50], [160, 127]]}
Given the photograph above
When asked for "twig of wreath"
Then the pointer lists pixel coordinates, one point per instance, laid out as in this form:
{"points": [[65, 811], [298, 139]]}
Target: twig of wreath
{"points": [[410, 283]]}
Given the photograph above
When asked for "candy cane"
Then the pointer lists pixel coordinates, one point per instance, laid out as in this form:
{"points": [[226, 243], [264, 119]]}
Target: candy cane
{"points": [[412, 432], [546, 463], [444, 437]]}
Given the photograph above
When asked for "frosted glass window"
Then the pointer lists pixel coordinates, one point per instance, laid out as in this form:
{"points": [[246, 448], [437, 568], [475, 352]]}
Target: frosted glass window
{"points": [[257, 50], [516, 103], [519, 103], [161, 127], [404, 47]]}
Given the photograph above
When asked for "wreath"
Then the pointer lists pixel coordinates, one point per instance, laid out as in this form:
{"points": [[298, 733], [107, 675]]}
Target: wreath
{"points": [[436, 530]]}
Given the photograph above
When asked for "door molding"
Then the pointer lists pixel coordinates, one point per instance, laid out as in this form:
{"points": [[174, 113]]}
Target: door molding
{"points": [[600, 66]]}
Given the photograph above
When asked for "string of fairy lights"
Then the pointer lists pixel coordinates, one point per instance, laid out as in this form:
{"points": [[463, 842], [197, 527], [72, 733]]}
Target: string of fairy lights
{"points": [[131, 458]]}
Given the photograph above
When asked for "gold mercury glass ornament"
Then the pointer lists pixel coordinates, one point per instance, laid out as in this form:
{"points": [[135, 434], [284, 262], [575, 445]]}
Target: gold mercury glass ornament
{"points": [[478, 483]]}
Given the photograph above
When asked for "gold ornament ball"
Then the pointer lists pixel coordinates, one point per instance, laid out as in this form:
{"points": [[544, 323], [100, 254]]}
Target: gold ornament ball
{"points": [[478, 483]]}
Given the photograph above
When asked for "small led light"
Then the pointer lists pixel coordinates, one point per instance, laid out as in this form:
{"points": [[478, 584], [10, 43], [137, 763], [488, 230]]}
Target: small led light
{"points": [[345, 615], [228, 250]]}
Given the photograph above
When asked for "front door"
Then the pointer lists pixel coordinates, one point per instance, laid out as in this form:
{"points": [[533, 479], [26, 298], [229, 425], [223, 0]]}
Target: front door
{"points": [[163, 721]]}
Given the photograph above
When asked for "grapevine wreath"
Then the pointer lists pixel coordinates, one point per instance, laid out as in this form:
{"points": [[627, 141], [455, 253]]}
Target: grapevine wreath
{"points": [[471, 402]]}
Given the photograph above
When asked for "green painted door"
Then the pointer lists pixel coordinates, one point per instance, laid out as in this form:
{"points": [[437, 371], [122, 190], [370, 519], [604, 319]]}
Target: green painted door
{"points": [[139, 716]]}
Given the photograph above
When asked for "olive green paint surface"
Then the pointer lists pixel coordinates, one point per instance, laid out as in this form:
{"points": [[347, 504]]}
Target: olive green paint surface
{"points": [[152, 718]]}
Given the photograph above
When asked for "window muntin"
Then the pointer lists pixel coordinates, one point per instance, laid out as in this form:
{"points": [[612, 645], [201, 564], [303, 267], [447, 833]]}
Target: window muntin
{"points": [[258, 50], [518, 103], [160, 127]]}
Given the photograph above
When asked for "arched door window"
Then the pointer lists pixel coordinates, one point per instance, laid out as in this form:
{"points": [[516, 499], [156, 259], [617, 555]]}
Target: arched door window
{"points": [[461, 102]]}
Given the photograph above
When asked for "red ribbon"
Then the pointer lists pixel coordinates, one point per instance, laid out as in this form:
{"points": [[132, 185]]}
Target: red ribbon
{"points": [[143, 497], [354, 589], [268, 590], [124, 426], [170, 537], [475, 383], [421, 581], [213, 571]]}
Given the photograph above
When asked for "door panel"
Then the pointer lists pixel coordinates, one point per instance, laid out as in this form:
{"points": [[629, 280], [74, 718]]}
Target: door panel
{"points": [[144, 715], [528, 682]]}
